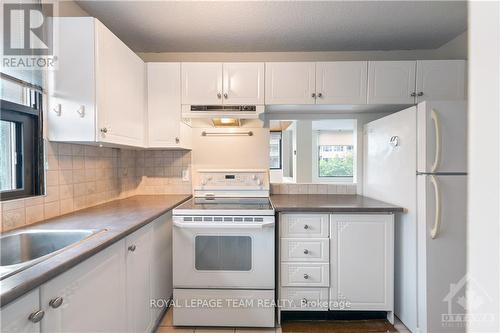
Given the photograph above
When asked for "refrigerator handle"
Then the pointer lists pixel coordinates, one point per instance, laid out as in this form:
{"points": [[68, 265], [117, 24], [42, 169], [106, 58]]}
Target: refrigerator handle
{"points": [[437, 126], [437, 216]]}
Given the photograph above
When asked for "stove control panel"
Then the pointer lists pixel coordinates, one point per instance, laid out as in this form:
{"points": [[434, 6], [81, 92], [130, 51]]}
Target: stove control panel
{"points": [[232, 180]]}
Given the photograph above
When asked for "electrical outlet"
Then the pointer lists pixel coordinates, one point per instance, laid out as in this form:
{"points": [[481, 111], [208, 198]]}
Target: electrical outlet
{"points": [[185, 175]]}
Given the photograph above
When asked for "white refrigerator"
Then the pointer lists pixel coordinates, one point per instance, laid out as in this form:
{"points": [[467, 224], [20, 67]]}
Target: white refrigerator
{"points": [[416, 158]]}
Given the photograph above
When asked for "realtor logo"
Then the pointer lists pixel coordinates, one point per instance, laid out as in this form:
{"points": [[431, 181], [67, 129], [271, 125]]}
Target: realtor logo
{"points": [[465, 301], [26, 29]]}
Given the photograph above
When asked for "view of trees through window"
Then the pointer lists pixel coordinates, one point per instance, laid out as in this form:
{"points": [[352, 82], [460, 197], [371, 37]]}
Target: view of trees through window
{"points": [[335, 161]]}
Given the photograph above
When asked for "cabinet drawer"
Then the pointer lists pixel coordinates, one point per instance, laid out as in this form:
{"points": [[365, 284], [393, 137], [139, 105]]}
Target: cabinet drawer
{"points": [[304, 299], [305, 249], [304, 225], [305, 274]]}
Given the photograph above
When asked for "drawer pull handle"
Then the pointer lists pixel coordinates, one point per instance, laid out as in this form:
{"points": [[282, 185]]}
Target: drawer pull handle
{"points": [[56, 302], [306, 251], [306, 276], [132, 248], [306, 226], [36, 316]]}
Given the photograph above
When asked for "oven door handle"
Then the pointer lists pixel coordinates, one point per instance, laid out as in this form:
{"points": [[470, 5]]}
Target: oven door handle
{"points": [[211, 225]]}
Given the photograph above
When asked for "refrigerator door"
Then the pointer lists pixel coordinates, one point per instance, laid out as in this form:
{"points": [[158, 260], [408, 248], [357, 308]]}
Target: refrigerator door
{"points": [[442, 252], [442, 137], [389, 174]]}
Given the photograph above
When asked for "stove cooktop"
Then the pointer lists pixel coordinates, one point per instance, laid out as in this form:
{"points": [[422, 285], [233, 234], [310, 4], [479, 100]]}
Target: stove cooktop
{"points": [[226, 206]]}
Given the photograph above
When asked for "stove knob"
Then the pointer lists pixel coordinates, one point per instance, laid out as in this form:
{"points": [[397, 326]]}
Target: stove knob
{"points": [[259, 182], [254, 177], [204, 182]]}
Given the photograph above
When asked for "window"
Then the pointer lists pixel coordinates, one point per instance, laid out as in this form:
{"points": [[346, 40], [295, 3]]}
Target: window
{"points": [[21, 165], [334, 150], [335, 161], [275, 151]]}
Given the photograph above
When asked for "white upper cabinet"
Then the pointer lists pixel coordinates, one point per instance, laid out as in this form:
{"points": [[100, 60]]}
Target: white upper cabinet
{"points": [[209, 83], [97, 92], [391, 82], [120, 91], [243, 83], [290, 83], [164, 124], [441, 80], [341, 82], [201, 83]]}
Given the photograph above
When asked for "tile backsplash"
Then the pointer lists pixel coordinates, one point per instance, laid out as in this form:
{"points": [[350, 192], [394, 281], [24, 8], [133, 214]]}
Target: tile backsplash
{"points": [[313, 188], [80, 176]]}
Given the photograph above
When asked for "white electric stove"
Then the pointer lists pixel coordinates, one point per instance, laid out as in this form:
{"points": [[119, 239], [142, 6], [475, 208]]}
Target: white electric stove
{"points": [[223, 252]]}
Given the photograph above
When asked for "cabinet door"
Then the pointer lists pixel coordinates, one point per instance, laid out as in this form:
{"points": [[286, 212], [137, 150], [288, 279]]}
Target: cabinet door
{"points": [[440, 80], [243, 83], [391, 82], [93, 295], [139, 314], [161, 260], [362, 261], [164, 104], [342, 82], [15, 315], [290, 82], [72, 84], [201, 83], [121, 84]]}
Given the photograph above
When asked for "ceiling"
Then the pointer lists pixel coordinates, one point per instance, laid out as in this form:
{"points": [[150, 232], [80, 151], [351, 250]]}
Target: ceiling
{"points": [[272, 26]]}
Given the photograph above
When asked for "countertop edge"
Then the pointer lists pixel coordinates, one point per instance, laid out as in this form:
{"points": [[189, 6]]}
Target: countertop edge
{"points": [[17, 292]]}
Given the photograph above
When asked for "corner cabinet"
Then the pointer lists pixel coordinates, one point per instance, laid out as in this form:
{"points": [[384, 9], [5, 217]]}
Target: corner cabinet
{"points": [[97, 91], [337, 262], [165, 128]]}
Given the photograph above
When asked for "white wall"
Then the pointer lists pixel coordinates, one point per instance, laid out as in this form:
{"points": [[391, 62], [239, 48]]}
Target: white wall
{"points": [[230, 152], [483, 249]]}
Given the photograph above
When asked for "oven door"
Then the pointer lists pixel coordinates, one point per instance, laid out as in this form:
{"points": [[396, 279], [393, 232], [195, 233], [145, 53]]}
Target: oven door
{"points": [[223, 255]]}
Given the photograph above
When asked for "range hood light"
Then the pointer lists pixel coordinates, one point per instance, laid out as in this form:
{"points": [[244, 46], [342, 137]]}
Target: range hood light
{"points": [[226, 122]]}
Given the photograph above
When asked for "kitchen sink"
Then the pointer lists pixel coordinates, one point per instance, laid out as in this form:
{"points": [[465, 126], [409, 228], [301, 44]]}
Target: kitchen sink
{"points": [[22, 249]]}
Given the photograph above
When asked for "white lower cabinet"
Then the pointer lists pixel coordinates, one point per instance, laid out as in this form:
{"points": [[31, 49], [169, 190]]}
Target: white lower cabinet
{"points": [[23, 315], [139, 291], [108, 292], [90, 297], [362, 252], [356, 273]]}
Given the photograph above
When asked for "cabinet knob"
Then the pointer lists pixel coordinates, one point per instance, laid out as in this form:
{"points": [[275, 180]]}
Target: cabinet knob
{"points": [[177, 140], [104, 130], [36, 316], [219, 95], [131, 248], [304, 301], [313, 95], [56, 302], [225, 95], [320, 95], [306, 276], [420, 93], [413, 94], [306, 251], [306, 226]]}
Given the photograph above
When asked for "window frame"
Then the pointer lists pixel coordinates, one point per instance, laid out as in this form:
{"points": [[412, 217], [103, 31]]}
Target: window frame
{"points": [[280, 150], [30, 142]]}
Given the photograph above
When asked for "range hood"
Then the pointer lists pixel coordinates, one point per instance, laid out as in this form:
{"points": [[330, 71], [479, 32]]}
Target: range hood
{"points": [[223, 115]]}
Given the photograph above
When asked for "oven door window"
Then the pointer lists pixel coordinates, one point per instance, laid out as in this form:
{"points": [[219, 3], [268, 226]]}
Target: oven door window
{"points": [[223, 253]]}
